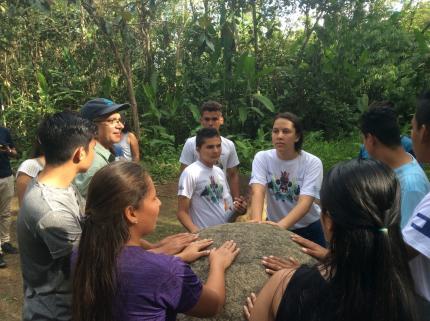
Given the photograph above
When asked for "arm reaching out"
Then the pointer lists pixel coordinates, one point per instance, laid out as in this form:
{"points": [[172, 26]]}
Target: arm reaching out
{"points": [[257, 201], [195, 250], [274, 263], [315, 250], [212, 298], [172, 244], [183, 214]]}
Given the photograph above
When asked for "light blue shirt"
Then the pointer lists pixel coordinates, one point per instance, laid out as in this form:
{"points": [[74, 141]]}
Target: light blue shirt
{"points": [[404, 140], [414, 185]]}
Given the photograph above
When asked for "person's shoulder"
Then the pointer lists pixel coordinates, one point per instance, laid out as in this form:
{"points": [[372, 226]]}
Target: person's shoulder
{"points": [[192, 171], [190, 140], [269, 153], [310, 157], [193, 168], [218, 171], [227, 141], [132, 256], [4, 134], [411, 171], [34, 204], [29, 164], [131, 135], [4, 130]]}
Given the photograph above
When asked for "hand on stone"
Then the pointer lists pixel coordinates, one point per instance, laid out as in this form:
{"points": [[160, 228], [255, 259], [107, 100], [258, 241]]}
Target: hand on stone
{"points": [[174, 244], [272, 223], [313, 249], [195, 250], [223, 256], [274, 263], [240, 205], [247, 308]]}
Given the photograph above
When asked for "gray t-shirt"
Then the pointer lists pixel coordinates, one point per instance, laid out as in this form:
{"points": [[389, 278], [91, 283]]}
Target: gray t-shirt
{"points": [[49, 224]]}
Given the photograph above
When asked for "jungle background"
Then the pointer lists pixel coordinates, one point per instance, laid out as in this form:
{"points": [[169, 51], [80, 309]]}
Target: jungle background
{"points": [[324, 60]]}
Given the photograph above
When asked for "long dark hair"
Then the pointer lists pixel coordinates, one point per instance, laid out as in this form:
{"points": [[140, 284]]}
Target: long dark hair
{"points": [[105, 232], [367, 265]]}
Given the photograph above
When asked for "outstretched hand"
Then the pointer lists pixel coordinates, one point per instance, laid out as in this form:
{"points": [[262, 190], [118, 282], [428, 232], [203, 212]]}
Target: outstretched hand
{"points": [[240, 205], [274, 263], [195, 250], [247, 308], [313, 249], [223, 256], [272, 223], [174, 244]]}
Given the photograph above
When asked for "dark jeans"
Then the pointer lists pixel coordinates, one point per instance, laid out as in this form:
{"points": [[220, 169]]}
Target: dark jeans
{"points": [[312, 232]]}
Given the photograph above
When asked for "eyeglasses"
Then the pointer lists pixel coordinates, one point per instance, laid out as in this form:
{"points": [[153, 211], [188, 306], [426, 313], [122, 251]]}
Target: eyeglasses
{"points": [[111, 122]]}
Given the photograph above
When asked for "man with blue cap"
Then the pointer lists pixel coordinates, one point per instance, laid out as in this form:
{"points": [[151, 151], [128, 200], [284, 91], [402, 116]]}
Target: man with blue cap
{"points": [[105, 114]]}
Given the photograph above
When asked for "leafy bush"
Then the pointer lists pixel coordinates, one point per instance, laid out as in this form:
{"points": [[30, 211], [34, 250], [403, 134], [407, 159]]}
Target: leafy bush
{"points": [[332, 152]]}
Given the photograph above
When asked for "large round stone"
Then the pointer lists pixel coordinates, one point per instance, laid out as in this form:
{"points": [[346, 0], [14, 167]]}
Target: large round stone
{"points": [[246, 274]]}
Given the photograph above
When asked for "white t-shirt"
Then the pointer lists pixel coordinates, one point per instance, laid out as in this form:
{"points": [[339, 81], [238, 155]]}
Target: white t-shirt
{"points": [[416, 234], [206, 187], [30, 167], [285, 181], [228, 157]]}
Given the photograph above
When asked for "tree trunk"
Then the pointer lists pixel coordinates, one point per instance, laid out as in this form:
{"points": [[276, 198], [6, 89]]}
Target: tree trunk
{"points": [[255, 40], [123, 63]]}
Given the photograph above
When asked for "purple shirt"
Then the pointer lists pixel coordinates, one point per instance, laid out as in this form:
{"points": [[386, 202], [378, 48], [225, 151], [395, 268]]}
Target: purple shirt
{"points": [[153, 286]]}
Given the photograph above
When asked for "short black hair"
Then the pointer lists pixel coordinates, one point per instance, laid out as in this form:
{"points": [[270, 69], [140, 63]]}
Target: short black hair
{"points": [[61, 133], [422, 112], [211, 106], [382, 123], [204, 134], [298, 126]]}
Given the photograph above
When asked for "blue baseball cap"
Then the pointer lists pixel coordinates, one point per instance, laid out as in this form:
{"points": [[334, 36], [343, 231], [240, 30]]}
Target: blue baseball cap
{"points": [[100, 107]]}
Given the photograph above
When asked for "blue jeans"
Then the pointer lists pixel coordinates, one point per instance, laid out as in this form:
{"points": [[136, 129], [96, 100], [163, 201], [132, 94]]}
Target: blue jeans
{"points": [[312, 232]]}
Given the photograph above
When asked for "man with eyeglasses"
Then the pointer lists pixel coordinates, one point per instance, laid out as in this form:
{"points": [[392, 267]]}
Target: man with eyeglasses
{"points": [[105, 114], [211, 117]]}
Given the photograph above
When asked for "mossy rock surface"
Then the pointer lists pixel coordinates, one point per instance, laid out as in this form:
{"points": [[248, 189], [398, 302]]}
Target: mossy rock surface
{"points": [[247, 274]]}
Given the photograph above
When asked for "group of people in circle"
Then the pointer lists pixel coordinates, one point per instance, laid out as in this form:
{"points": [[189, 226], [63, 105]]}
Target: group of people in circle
{"points": [[84, 217]]}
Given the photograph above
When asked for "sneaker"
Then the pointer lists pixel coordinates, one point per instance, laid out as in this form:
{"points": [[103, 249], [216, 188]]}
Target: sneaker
{"points": [[9, 248], [2, 262]]}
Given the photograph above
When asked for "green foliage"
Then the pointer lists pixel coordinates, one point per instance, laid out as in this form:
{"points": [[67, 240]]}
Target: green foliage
{"points": [[247, 148], [332, 151], [253, 56]]}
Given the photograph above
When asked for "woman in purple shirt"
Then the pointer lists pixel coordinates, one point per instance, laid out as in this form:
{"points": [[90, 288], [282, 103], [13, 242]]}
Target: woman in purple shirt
{"points": [[117, 279]]}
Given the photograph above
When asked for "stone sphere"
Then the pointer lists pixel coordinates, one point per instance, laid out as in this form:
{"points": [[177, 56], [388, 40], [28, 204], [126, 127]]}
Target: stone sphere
{"points": [[246, 274]]}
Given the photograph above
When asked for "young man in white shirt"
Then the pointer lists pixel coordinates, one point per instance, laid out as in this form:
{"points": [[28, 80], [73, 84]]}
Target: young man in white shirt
{"points": [[203, 195], [211, 117]]}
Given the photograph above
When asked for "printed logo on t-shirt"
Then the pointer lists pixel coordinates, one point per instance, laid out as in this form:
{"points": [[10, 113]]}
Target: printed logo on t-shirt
{"points": [[421, 223], [213, 192], [283, 188]]}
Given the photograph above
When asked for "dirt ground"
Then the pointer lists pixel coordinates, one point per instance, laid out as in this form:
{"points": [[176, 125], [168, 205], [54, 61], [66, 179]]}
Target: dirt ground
{"points": [[10, 277]]}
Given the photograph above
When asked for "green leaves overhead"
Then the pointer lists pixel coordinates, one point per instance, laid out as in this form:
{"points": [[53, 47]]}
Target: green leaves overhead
{"points": [[326, 62]]}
